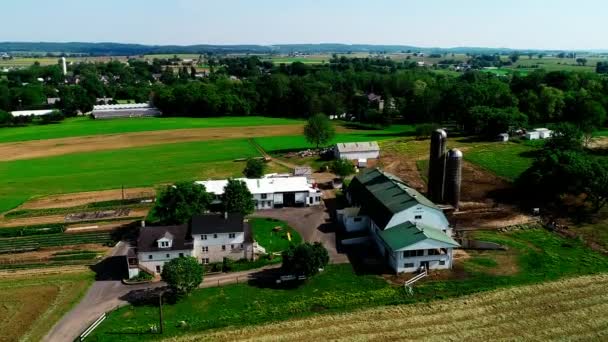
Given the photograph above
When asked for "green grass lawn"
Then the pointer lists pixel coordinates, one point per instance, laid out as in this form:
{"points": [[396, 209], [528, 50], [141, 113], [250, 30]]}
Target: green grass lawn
{"points": [[264, 233], [540, 256], [507, 160], [298, 142], [83, 126], [132, 167]]}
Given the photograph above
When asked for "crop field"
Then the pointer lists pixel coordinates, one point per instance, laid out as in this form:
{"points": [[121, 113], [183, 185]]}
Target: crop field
{"points": [[534, 256], [298, 142], [551, 311], [142, 166], [53, 240], [30, 306], [84, 126]]}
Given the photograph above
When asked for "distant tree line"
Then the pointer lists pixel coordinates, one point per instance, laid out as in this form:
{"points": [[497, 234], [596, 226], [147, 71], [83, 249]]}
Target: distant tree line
{"points": [[482, 103]]}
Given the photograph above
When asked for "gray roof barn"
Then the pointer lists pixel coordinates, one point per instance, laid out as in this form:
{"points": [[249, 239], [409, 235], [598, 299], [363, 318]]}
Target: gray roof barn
{"points": [[368, 146]]}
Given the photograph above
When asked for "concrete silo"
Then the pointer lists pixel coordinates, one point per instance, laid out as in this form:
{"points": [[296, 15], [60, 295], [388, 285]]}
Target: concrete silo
{"points": [[64, 66], [453, 177], [437, 165]]}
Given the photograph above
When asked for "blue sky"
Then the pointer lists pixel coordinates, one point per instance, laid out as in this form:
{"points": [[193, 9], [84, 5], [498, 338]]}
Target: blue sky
{"points": [[542, 24]]}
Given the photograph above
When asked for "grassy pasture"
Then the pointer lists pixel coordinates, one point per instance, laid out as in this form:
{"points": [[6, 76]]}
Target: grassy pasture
{"points": [[507, 160], [539, 256], [84, 126], [30, 306], [134, 167], [273, 241]]}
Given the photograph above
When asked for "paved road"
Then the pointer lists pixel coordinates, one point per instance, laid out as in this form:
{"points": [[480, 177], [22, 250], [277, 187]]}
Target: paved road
{"points": [[313, 223]]}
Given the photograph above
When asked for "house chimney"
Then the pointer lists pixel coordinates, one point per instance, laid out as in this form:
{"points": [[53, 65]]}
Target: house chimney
{"points": [[143, 223], [225, 215]]}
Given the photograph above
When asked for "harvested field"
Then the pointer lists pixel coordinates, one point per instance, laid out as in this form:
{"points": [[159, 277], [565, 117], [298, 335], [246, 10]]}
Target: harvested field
{"points": [[47, 253], [55, 147], [556, 310], [82, 217], [81, 198], [30, 306]]}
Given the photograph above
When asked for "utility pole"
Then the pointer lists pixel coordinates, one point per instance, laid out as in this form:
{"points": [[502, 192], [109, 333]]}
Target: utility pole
{"points": [[160, 311]]}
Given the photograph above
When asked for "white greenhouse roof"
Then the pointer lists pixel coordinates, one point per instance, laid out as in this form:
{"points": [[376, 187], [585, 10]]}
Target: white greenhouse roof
{"points": [[32, 112], [358, 147], [262, 185], [122, 106]]}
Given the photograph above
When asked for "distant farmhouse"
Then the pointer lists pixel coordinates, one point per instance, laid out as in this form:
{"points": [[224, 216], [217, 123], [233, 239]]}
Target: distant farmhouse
{"points": [[208, 238], [272, 192], [410, 231], [130, 110], [360, 152]]}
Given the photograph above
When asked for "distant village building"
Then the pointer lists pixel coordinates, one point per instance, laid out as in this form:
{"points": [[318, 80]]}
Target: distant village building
{"points": [[208, 238], [377, 100], [52, 100], [131, 110], [272, 192], [409, 231]]}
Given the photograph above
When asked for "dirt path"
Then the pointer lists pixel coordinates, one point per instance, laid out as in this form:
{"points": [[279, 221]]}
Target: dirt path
{"points": [[54, 147], [81, 198]]}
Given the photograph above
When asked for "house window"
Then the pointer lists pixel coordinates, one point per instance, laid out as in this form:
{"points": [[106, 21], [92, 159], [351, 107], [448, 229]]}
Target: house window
{"points": [[231, 247], [205, 260], [204, 237], [215, 236], [414, 253], [408, 265], [264, 196], [441, 262], [168, 255], [223, 247], [150, 257], [357, 219], [205, 249], [232, 235], [434, 252], [181, 255], [418, 217], [157, 268], [241, 246]]}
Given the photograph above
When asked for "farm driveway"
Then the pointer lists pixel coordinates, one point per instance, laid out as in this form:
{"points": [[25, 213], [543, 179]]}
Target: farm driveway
{"points": [[313, 223]]}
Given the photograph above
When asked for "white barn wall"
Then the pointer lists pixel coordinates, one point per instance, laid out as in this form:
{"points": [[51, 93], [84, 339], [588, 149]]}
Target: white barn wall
{"points": [[430, 216]]}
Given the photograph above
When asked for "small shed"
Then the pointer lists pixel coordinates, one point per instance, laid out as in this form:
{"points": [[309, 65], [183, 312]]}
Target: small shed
{"points": [[357, 150], [532, 135], [544, 133], [503, 137]]}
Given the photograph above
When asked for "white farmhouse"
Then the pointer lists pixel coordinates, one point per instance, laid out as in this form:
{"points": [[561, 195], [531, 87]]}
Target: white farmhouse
{"points": [[272, 192], [358, 151], [408, 229]]}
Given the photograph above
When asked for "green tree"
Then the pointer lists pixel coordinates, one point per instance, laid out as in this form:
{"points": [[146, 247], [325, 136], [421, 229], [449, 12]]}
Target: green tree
{"points": [[319, 130], [342, 167], [581, 61], [6, 118], [514, 57], [565, 137], [305, 259], [182, 275], [177, 203], [237, 198], [255, 168], [424, 131], [489, 122]]}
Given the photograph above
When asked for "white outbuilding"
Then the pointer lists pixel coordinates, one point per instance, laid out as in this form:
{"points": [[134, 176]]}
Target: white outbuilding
{"points": [[357, 150], [544, 133], [39, 112]]}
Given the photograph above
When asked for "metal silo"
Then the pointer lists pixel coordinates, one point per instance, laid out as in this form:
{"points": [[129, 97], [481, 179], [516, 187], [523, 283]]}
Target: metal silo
{"points": [[453, 177], [437, 165]]}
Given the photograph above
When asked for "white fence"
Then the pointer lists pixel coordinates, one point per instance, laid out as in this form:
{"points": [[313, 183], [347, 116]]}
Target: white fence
{"points": [[91, 327]]}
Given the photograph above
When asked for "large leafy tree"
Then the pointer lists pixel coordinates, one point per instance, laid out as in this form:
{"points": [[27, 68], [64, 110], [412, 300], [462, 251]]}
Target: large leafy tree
{"points": [[319, 130], [177, 203], [305, 259], [5, 118], [237, 198], [342, 167], [182, 275], [255, 168], [489, 121]]}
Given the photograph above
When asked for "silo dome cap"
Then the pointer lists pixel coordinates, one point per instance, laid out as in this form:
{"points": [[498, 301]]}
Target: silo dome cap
{"points": [[455, 153], [442, 132]]}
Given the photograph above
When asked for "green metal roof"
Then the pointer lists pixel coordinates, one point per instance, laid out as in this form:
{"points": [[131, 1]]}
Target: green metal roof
{"points": [[408, 233], [382, 195]]}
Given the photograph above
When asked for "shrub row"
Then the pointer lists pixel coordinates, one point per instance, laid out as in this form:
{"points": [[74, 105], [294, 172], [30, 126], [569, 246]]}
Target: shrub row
{"points": [[42, 229]]}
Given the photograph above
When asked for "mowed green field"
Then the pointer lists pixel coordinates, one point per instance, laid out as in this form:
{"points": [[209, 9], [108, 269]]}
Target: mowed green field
{"points": [[507, 160], [287, 143], [133, 167], [84, 126]]}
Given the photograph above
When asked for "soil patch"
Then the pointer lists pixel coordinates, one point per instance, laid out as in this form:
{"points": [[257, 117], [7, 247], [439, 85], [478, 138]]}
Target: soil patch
{"points": [[55, 147], [82, 198], [31, 221]]}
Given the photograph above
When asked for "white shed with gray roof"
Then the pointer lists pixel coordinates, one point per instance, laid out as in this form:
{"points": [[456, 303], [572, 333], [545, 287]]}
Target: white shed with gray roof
{"points": [[357, 150]]}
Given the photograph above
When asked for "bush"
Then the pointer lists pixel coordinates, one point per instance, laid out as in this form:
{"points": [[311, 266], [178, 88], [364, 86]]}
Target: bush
{"points": [[255, 168], [182, 275], [305, 259], [142, 276]]}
